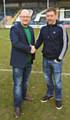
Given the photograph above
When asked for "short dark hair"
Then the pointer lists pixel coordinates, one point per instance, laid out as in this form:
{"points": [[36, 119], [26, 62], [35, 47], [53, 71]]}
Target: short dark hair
{"points": [[51, 9]]}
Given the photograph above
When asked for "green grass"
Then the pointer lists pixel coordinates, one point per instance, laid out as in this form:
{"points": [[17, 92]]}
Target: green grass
{"points": [[34, 110]]}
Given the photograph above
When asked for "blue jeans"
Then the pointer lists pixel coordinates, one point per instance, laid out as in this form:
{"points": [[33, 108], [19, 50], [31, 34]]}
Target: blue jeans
{"points": [[52, 73], [20, 78]]}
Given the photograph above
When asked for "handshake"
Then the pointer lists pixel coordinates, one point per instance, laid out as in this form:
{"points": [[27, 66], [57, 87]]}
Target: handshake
{"points": [[33, 50]]}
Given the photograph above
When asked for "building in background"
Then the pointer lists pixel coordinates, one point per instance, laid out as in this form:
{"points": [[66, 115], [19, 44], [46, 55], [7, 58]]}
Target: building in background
{"points": [[9, 10]]}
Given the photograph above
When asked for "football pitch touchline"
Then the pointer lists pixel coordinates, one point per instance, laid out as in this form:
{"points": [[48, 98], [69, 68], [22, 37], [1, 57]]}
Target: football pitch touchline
{"points": [[33, 72]]}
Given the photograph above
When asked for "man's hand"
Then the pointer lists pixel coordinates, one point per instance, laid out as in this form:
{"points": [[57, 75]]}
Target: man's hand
{"points": [[33, 50]]}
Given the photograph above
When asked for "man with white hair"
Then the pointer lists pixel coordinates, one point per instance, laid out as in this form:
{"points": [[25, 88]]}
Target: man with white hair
{"points": [[22, 55]]}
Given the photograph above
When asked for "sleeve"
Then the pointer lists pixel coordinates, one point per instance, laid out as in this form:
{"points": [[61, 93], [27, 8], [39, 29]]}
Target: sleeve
{"points": [[65, 44], [33, 37], [14, 36], [33, 43], [39, 40]]}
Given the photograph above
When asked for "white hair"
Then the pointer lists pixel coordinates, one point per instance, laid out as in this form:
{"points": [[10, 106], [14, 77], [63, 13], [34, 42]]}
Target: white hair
{"points": [[27, 12]]}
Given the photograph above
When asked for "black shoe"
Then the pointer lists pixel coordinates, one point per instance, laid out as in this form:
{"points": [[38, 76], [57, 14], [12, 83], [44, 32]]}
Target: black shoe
{"points": [[59, 105], [17, 112], [46, 98]]}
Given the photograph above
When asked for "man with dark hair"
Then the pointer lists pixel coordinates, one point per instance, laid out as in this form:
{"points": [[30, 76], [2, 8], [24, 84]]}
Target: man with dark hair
{"points": [[51, 9], [55, 42], [22, 39]]}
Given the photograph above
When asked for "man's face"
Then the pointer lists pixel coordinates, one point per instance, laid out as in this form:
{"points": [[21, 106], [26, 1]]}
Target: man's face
{"points": [[25, 18], [51, 18]]}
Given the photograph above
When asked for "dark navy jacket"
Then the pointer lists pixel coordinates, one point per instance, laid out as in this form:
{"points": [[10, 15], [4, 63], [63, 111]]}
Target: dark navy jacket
{"points": [[55, 41], [20, 52]]}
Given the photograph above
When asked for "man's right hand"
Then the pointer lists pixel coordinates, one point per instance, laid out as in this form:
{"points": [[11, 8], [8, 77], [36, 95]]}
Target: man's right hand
{"points": [[33, 50]]}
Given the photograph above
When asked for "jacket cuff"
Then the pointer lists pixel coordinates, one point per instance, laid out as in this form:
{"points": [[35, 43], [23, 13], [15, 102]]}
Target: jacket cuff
{"points": [[29, 50], [58, 60]]}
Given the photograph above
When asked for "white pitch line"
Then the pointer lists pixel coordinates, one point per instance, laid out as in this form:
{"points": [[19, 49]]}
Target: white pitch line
{"points": [[34, 72]]}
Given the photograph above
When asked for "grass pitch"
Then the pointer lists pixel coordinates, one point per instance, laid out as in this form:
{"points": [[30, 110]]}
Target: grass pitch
{"points": [[34, 110]]}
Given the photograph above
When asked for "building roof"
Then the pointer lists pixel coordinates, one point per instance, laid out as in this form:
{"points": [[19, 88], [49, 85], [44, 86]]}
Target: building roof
{"points": [[20, 1]]}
